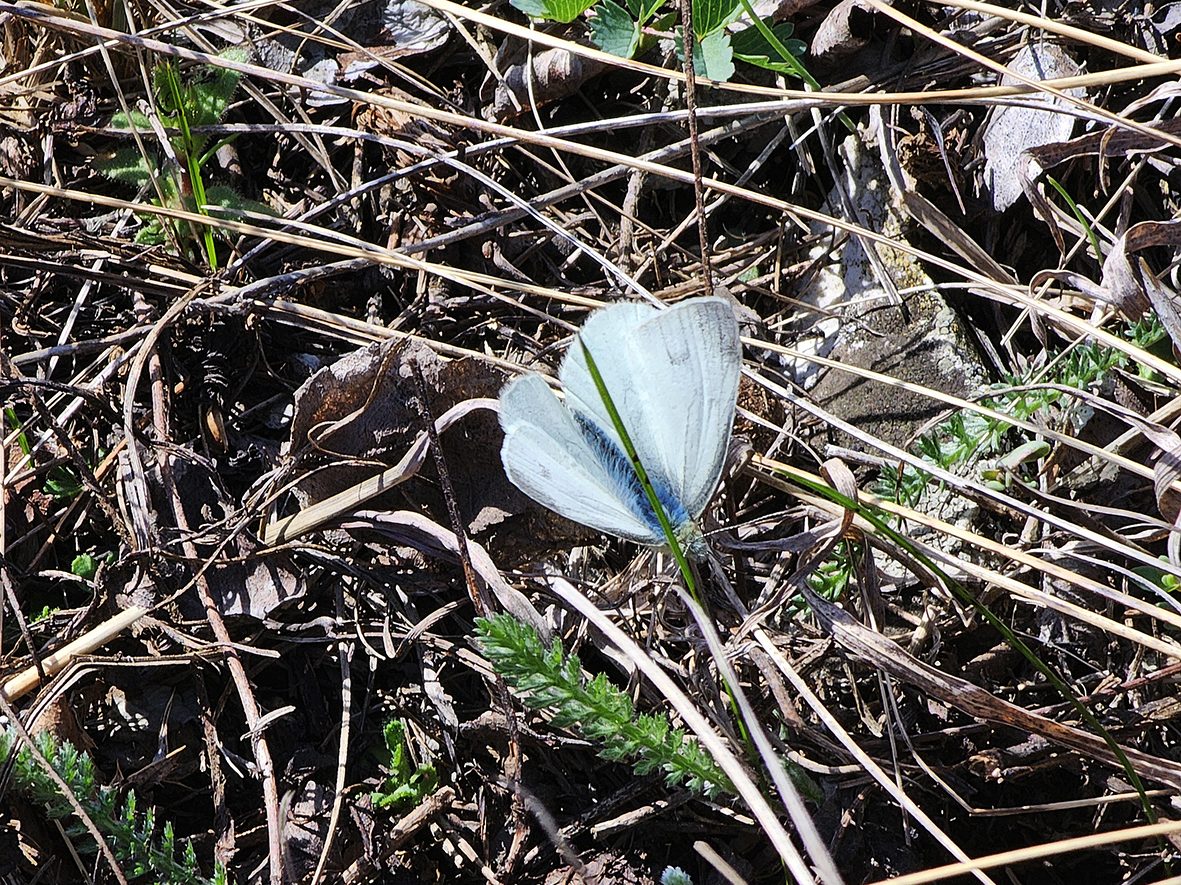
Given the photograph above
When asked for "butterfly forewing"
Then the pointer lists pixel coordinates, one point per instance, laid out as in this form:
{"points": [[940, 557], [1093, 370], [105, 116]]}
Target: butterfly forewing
{"points": [[693, 359], [673, 376]]}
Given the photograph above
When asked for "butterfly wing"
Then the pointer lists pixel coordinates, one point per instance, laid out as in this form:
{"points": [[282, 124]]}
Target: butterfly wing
{"points": [[548, 458], [673, 376]]}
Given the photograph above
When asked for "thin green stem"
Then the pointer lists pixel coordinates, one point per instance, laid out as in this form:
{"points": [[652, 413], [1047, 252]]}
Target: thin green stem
{"points": [[657, 508], [192, 164]]}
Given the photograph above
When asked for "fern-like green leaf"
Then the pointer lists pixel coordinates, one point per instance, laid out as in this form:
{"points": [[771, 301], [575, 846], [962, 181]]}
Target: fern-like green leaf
{"points": [[550, 680], [129, 832]]}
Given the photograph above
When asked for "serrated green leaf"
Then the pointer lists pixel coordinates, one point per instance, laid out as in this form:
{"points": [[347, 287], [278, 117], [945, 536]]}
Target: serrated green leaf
{"points": [[228, 198], [209, 93], [614, 29], [135, 120], [126, 165], [151, 234], [752, 46], [564, 11]]}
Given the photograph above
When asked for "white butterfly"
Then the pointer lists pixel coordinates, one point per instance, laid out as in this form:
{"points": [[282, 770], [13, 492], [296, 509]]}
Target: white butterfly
{"points": [[673, 377]]}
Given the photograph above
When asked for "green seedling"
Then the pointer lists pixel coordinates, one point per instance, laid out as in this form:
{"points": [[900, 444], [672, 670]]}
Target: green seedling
{"points": [[145, 851], [1166, 581], [830, 580], [905, 484], [47, 612], [968, 436], [724, 31], [1082, 219], [22, 439], [62, 483], [85, 565], [184, 108], [1004, 471], [404, 786], [675, 876]]}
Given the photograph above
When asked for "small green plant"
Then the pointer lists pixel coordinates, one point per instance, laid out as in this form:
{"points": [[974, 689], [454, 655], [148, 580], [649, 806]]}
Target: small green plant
{"points": [[1077, 211], [85, 565], [830, 579], [184, 108], [62, 483], [968, 436], [904, 484], [548, 679], [721, 34], [1166, 581], [47, 611], [144, 850], [1000, 473], [14, 422], [675, 876], [404, 786]]}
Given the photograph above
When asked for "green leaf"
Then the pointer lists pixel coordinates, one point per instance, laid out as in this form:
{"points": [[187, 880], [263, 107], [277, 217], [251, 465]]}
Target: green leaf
{"points": [[126, 165], [712, 15], [228, 198], [152, 234], [137, 120], [211, 90], [564, 11], [84, 566], [751, 46], [713, 57], [402, 787], [62, 483], [614, 30]]}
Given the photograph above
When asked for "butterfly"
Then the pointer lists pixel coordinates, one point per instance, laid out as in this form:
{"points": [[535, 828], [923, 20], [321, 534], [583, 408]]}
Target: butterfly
{"points": [[673, 377]]}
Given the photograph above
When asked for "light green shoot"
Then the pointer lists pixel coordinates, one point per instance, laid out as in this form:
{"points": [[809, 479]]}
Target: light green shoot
{"points": [[1078, 214], [186, 107]]}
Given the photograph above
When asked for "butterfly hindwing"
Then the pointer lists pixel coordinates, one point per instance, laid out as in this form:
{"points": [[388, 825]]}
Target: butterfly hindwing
{"points": [[550, 459]]}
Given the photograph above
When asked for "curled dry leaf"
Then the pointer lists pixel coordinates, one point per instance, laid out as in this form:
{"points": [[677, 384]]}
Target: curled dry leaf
{"points": [[1127, 284], [539, 79], [845, 31], [357, 416], [1106, 144]]}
